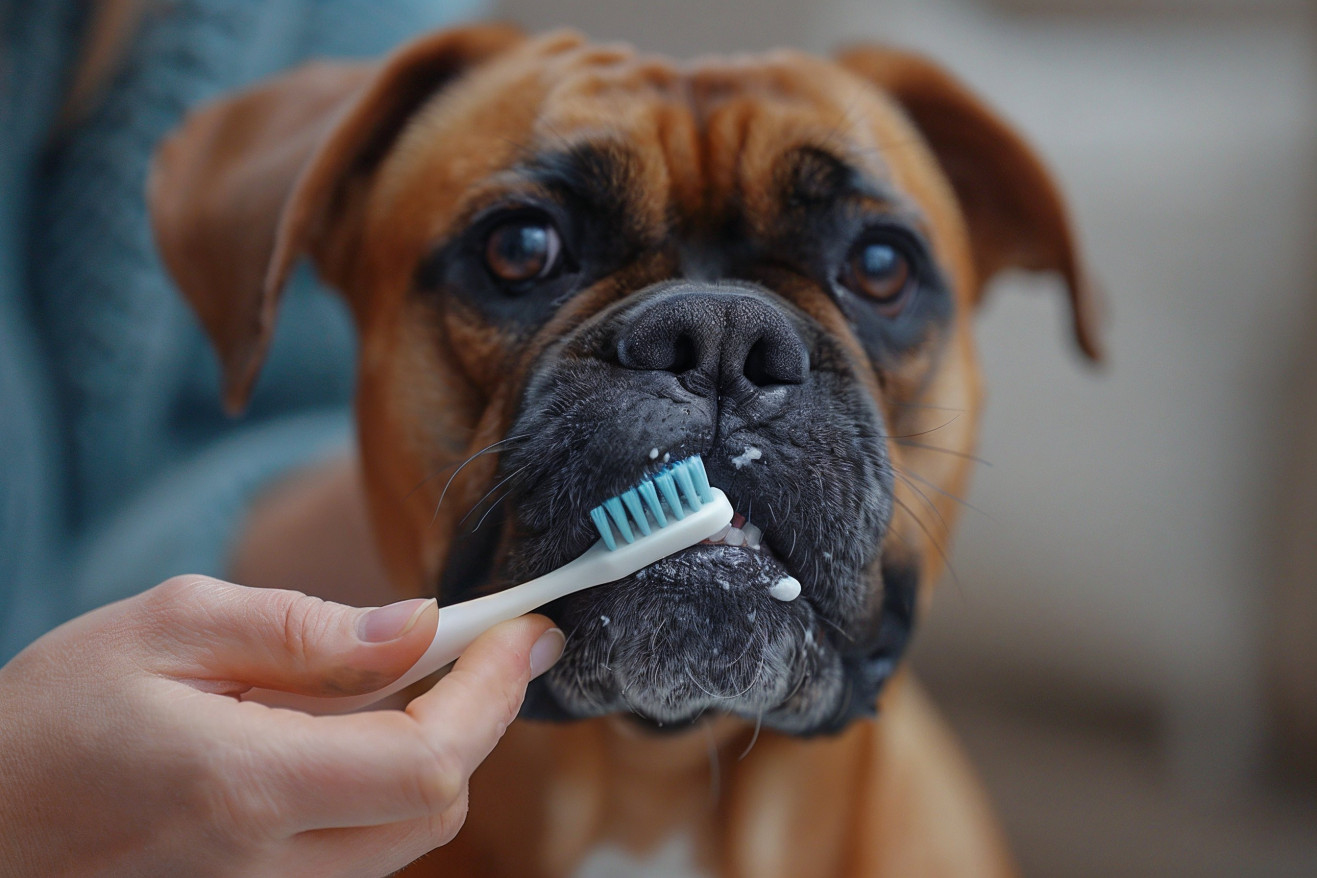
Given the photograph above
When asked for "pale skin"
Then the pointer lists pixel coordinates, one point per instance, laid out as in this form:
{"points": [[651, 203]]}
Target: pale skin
{"points": [[124, 749]]}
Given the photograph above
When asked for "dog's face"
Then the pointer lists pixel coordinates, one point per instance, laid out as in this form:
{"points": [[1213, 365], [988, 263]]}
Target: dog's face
{"points": [[574, 264]]}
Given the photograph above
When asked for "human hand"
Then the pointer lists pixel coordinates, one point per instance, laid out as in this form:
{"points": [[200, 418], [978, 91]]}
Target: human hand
{"points": [[124, 749]]}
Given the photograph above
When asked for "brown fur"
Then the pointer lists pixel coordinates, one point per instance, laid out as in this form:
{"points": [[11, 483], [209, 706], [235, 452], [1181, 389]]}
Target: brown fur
{"points": [[365, 167]]}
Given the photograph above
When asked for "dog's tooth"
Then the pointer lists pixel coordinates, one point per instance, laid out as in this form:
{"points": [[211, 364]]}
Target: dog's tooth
{"points": [[720, 535], [753, 535], [785, 589], [735, 537]]}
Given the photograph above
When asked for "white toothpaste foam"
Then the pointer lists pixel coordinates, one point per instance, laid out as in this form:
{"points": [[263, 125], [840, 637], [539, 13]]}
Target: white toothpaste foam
{"points": [[744, 458], [785, 589]]}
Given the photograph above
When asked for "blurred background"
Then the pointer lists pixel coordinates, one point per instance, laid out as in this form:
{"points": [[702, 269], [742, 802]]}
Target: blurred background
{"points": [[1128, 646], [1127, 643]]}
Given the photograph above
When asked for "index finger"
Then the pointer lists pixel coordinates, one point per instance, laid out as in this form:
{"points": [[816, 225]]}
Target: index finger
{"points": [[467, 712]]}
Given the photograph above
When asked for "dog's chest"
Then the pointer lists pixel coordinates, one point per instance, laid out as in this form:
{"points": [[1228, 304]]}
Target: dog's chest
{"points": [[675, 858]]}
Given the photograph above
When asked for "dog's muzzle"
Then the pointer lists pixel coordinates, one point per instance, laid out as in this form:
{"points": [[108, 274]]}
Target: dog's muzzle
{"points": [[736, 374]]}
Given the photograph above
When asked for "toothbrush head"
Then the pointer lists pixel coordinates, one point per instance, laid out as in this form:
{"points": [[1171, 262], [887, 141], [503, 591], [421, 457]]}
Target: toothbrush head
{"points": [[674, 492]]}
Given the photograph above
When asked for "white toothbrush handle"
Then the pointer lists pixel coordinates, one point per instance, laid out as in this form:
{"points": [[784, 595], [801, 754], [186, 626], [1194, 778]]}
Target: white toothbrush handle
{"points": [[460, 624]]}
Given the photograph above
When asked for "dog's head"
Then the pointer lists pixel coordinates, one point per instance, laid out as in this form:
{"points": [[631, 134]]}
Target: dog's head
{"points": [[570, 264]]}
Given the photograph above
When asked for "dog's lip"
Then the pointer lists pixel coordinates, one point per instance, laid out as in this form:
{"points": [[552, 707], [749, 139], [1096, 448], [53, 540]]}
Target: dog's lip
{"points": [[752, 538], [715, 550]]}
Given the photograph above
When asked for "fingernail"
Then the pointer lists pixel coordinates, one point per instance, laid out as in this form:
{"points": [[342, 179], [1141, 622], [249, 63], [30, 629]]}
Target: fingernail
{"points": [[391, 622], [546, 651]]}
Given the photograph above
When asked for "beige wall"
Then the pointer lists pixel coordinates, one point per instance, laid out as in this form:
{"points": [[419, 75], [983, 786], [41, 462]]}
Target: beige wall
{"points": [[678, 27], [1292, 630]]}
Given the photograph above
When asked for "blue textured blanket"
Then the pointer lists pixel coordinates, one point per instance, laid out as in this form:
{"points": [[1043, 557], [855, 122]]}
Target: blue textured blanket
{"points": [[117, 466]]}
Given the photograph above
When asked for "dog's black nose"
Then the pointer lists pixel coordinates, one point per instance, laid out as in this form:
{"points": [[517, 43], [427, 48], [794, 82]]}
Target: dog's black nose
{"points": [[733, 340]]}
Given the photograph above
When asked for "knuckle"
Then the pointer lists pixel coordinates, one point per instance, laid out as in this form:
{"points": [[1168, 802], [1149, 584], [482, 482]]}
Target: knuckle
{"points": [[241, 809], [213, 791], [178, 593], [179, 603], [304, 622], [441, 781], [513, 697], [444, 826], [455, 817], [497, 690], [502, 692]]}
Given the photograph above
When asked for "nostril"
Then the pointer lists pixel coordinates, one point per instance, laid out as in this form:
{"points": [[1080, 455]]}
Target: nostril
{"points": [[768, 363], [685, 355], [659, 352], [756, 365]]}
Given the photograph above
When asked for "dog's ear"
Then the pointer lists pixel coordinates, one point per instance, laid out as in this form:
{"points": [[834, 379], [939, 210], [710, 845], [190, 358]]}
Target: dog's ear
{"points": [[244, 186], [1014, 210]]}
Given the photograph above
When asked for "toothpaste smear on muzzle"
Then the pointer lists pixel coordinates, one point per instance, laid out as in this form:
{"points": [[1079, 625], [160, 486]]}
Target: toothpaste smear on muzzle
{"points": [[746, 457]]}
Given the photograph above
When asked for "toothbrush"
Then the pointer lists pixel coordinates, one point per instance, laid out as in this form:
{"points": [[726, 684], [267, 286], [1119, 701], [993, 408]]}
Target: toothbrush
{"points": [[672, 510]]}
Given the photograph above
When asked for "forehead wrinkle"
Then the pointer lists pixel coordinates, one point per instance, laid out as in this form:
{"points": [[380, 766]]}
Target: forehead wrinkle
{"points": [[593, 172], [757, 111], [635, 109], [854, 187], [708, 135]]}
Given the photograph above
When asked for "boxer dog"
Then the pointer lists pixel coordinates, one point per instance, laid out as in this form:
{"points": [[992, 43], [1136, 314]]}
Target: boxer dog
{"points": [[570, 263]]}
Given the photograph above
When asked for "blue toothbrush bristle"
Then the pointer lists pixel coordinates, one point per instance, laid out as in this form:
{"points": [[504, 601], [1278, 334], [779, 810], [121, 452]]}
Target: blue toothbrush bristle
{"points": [[667, 486], [618, 514], [649, 494], [632, 501], [600, 518], [673, 492], [701, 479], [683, 477]]}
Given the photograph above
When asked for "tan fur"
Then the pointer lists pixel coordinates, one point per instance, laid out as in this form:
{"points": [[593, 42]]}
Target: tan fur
{"points": [[365, 168]]}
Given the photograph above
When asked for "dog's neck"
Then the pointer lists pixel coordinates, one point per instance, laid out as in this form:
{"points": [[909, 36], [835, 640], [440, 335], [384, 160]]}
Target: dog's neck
{"points": [[611, 782], [655, 781], [696, 749]]}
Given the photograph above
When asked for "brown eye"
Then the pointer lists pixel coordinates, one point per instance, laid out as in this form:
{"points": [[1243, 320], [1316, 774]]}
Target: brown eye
{"points": [[880, 271], [523, 249]]}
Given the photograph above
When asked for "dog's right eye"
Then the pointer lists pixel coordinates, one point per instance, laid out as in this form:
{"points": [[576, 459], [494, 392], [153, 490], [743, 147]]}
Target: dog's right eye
{"points": [[523, 249]]}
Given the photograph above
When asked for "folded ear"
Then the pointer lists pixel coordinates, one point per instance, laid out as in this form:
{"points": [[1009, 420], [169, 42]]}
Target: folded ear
{"points": [[243, 187], [1013, 208]]}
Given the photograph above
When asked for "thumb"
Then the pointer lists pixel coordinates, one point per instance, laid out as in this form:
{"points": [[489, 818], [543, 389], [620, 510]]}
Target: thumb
{"points": [[237, 637]]}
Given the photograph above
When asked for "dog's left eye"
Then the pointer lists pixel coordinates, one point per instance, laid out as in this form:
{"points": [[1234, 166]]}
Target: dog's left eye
{"points": [[882, 270], [523, 249]]}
